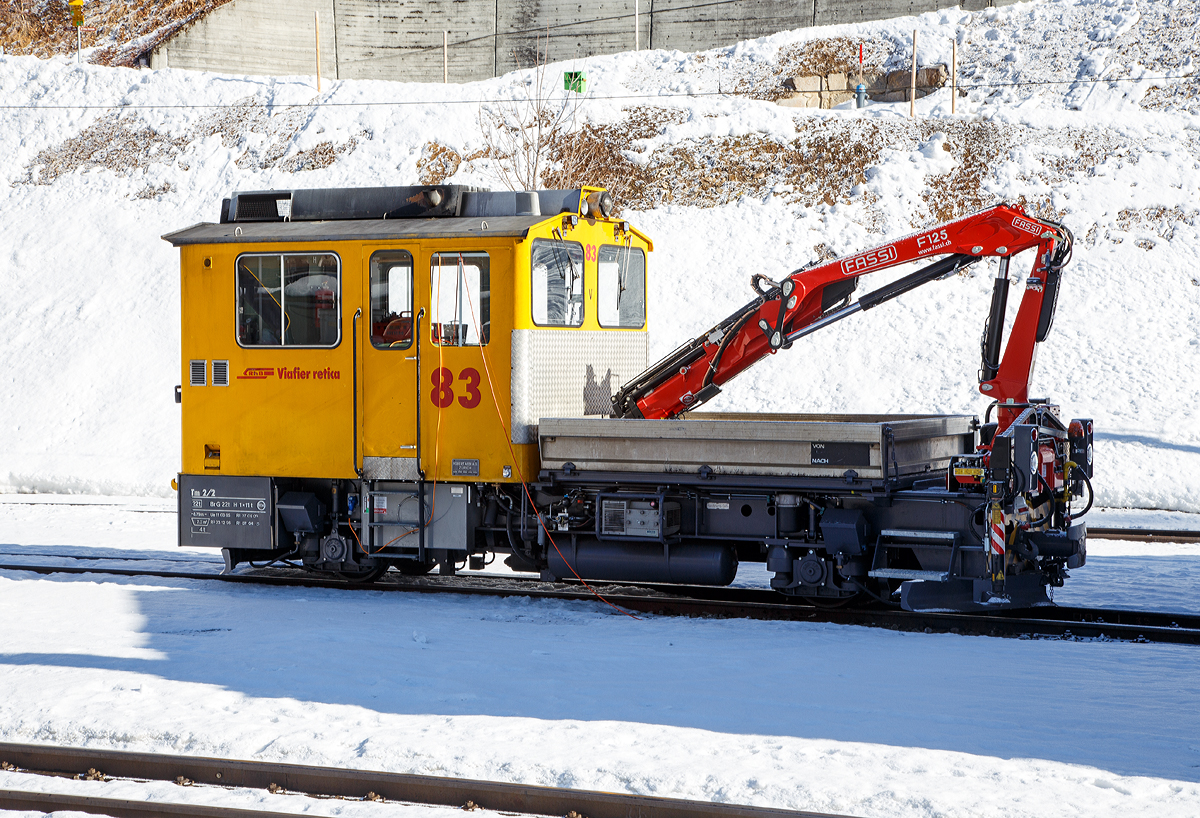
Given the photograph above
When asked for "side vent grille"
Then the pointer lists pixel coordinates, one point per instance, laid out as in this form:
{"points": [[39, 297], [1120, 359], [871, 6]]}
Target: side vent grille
{"points": [[613, 520], [220, 373], [200, 373]]}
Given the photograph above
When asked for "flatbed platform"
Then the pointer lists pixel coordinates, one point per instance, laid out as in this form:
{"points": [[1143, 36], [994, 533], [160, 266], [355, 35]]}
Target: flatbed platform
{"points": [[875, 447]]}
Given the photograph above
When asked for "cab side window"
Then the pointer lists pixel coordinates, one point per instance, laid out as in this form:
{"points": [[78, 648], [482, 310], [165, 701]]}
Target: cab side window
{"points": [[391, 299], [288, 299], [621, 286], [556, 285], [461, 299]]}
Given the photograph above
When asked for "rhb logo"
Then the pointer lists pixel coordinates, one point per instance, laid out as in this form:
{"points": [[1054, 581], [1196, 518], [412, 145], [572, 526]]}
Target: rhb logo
{"points": [[1026, 225], [868, 261], [256, 373]]}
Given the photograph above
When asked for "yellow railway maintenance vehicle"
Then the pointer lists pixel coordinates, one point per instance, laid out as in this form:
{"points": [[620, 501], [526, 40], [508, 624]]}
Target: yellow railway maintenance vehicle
{"points": [[420, 377], [391, 349]]}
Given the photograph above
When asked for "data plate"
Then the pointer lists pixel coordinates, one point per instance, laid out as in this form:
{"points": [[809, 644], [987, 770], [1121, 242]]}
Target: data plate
{"points": [[464, 468], [226, 512]]}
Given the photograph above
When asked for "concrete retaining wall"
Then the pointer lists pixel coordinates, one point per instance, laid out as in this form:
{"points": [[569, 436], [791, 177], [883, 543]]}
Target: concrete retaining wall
{"points": [[397, 40], [675, 25], [402, 39], [255, 37]]}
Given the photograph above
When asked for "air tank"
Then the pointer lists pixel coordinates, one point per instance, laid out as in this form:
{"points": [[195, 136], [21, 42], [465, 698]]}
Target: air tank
{"points": [[685, 563]]}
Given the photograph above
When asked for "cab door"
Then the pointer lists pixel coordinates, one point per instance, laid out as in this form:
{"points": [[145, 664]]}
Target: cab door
{"points": [[388, 384], [465, 397]]}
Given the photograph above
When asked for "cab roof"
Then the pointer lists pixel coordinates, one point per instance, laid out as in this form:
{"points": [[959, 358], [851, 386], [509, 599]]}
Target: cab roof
{"points": [[390, 214], [353, 230]]}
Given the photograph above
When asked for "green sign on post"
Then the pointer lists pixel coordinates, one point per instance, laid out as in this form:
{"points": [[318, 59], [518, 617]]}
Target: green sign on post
{"points": [[574, 81]]}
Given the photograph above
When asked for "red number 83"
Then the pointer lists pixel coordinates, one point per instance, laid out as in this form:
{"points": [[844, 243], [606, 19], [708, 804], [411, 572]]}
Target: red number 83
{"points": [[442, 393]]}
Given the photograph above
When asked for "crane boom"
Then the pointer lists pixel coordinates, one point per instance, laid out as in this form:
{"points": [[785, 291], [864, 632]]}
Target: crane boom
{"points": [[816, 296]]}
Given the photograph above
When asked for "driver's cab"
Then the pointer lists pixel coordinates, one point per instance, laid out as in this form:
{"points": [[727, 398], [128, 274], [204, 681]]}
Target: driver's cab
{"points": [[403, 333]]}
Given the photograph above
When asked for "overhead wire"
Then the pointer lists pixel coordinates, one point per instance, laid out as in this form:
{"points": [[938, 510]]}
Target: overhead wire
{"points": [[587, 98], [591, 97]]}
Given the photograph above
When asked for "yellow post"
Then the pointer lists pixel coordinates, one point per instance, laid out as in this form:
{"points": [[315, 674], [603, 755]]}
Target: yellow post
{"points": [[953, 73], [76, 7], [912, 89]]}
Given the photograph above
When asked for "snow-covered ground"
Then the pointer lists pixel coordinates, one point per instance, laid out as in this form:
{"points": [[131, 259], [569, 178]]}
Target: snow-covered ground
{"points": [[848, 720]]}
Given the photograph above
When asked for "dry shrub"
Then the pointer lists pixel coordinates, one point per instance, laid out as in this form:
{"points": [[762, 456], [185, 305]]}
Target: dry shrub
{"points": [[437, 163], [154, 191], [833, 55], [122, 144], [822, 165], [518, 131], [518, 135], [976, 147], [126, 29], [115, 143], [979, 148], [24, 29], [594, 155], [1160, 220], [320, 156]]}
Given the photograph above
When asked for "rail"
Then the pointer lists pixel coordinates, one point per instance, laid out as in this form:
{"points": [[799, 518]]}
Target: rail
{"points": [[1144, 535], [746, 603], [336, 782]]}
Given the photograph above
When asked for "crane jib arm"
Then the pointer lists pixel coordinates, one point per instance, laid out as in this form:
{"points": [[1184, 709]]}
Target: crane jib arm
{"points": [[816, 296]]}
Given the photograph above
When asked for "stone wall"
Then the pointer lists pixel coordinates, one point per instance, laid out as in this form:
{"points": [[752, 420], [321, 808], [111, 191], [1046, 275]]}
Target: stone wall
{"points": [[834, 89], [402, 39]]}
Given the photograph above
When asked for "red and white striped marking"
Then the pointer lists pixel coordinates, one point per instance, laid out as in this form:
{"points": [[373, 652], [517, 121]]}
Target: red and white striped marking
{"points": [[998, 539]]}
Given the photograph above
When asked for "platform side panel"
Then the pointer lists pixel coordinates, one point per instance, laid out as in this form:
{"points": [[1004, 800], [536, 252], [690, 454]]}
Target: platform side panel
{"points": [[791, 447]]}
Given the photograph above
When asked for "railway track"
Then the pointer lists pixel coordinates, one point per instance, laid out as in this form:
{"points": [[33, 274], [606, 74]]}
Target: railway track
{"points": [[750, 603], [325, 782], [1144, 535]]}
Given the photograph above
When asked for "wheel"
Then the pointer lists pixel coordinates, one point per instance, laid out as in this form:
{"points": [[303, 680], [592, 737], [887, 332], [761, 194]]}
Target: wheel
{"points": [[367, 575]]}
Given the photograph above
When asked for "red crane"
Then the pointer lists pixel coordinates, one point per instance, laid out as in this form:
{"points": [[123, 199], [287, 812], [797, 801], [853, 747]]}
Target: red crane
{"points": [[816, 296]]}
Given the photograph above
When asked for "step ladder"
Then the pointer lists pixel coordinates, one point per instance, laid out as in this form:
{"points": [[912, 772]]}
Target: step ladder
{"points": [[902, 537]]}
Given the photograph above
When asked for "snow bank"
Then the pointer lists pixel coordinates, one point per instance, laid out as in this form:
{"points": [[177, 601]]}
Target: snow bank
{"points": [[91, 292]]}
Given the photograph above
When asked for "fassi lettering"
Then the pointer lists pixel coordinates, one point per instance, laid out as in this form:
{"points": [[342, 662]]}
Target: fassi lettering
{"points": [[868, 260]]}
